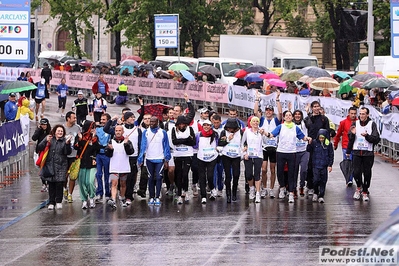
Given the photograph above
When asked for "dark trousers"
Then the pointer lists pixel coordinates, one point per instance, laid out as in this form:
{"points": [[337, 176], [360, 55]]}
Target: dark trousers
{"points": [[302, 159], [289, 159], [97, 116], [320, 177], [182, 167], [55, 192], [206, 175], [143, 179], [362, 171], [231, 170], [80, 119], [309, 177], [194, 168], [131, 177], [253, 167], [62, 102]]}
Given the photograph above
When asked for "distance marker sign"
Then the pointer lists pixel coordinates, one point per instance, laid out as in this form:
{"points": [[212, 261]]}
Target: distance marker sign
{"points": [[166, 31], [15, 31]]}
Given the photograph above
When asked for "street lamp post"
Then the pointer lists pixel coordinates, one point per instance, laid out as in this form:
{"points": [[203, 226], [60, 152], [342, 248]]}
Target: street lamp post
{"points": [[370, 36]]}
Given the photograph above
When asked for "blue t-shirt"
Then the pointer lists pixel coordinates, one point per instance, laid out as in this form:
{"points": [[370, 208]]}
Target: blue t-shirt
{"points": [[101, 87], [62, 89]]}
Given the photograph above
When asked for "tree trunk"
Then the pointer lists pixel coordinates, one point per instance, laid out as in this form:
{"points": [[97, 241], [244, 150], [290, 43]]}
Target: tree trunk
{"points": [[117, 47], [265, 23], [338, 55], [196, 44]]}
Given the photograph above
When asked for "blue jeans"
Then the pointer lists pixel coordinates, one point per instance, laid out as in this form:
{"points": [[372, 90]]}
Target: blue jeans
{"points": [[155, 171], [350, 158], [102, 162], [218, 174]]}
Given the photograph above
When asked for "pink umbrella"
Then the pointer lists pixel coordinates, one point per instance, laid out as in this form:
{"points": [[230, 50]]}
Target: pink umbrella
{"points": [[356, 84], [270, 76], [277, 83], [375, 74]]}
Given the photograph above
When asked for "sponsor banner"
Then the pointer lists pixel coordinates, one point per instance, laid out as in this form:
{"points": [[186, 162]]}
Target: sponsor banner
{"points": [[389, 127], [14, 31], [25, 125], [11, 140]]}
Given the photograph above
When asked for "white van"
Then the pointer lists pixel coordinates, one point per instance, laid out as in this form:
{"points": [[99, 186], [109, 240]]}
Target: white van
{"points": [[50, 57], [385, 65], [169, 59], [226, 67]]}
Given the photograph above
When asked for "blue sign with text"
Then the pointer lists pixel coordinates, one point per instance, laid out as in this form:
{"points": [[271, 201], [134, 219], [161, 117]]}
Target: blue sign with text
{"points": [[15, 31], [166, 31]]}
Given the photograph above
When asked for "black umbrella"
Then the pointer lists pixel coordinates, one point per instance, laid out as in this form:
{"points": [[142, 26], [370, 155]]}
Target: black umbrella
{"points": [[146, 67], [104, 64], [346, 168], [207, 69], [257, 68], [393, 87]]}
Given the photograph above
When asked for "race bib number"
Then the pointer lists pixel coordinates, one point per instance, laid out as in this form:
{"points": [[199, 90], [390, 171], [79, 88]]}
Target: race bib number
{"points": [[181, 149], [271, 142], [63, 93], [208, 153], [232, 150], [253, 152], [40, 93], [300, 143], [362, 144]]}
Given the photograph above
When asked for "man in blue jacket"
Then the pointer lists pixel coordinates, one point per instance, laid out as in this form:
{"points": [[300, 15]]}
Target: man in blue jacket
{"points": [[11, 108]]}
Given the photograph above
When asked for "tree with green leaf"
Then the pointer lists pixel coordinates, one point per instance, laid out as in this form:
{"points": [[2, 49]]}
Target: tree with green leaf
{"points": [[274, 11], [115, 11], [76, 18], [381, 29]]}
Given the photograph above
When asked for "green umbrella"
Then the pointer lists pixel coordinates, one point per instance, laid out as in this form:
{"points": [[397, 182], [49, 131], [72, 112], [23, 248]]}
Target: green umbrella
{"points": [[17, 86], [379, 82], [292, 75], [345, 86], [178, 66]]}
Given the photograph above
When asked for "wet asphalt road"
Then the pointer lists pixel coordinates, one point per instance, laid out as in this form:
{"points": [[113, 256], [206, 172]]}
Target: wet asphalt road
{"points": [[242, 233]]}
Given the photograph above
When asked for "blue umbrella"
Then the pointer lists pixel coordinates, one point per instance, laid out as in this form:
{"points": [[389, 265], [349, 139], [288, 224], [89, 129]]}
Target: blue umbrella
{"points": [[342, 75], [130, 68], [253, 77], [187, 75]]}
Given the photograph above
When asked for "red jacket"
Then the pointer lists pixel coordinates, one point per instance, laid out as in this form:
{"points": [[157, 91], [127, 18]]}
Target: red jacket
{"points": [[94, 88], [343, 129]]}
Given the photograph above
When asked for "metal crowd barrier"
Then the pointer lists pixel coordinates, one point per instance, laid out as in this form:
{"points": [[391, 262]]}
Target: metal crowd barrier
{"points": [[14, 167]]}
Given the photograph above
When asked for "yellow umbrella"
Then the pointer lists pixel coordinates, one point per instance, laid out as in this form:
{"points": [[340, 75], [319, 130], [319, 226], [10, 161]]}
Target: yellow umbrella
{"points": [[325, 83]]}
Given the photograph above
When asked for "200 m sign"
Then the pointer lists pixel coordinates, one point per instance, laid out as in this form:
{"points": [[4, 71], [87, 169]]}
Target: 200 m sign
{"points": [[14, 50]]}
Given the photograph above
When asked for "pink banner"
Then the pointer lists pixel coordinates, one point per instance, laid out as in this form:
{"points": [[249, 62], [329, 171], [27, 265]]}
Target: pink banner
{"points": [[167, 88]]}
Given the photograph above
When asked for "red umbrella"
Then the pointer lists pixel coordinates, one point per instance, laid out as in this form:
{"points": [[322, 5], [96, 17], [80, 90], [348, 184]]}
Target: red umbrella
{"points": [[155, 109], [270, 76], [277, 83], [135, 58], [395, 101], [241, 74], [85, 63]]}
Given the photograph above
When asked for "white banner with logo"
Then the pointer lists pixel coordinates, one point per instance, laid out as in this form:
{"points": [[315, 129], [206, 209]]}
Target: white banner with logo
{"points": [[336, 109], [389, 127]]}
